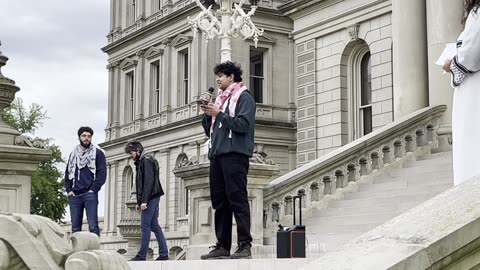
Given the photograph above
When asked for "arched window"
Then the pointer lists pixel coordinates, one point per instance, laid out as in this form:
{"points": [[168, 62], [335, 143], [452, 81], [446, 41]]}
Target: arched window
{"points": [[366, 94], [360, 91]]}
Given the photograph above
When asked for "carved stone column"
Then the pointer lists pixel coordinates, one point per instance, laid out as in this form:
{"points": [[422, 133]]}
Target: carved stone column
{"points": [[443, 24], [410, 84]]}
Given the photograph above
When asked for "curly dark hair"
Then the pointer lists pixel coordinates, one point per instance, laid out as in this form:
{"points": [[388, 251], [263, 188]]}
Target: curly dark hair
{"points": [[468, 7], [228, 68], [83, 129], [133, 146]]}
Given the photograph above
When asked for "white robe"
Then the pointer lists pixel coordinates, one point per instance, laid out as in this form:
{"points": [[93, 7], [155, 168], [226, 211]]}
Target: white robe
{"points": [[466, 102]]}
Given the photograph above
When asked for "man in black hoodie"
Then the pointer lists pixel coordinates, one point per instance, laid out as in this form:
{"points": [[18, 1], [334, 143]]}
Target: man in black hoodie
{"points": [[229, 122], [149, 191]]}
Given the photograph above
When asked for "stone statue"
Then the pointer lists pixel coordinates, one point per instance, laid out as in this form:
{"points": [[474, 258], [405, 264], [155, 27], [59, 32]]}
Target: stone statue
{"points": [[35, 242]]}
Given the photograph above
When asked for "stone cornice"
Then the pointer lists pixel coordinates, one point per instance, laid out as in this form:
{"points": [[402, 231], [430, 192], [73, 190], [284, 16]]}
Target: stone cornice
{"points": [[298, 5], [167, 20], [344, 19]]}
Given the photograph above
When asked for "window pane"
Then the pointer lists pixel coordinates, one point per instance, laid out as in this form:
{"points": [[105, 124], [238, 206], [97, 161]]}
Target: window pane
{"points": [[367, 120], [257, 89], [256, 73], [366, 77]]}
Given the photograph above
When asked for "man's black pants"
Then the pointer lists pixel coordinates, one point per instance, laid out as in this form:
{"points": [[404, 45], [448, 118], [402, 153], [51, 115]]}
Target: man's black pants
{"points": [[228, 191]]}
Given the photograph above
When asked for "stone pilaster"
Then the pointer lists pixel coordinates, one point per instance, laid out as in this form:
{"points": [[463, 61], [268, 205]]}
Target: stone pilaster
{"points": [[140, 88], [163, 160], [306, 101], [410, 85], [443, 24], [166, 87]]}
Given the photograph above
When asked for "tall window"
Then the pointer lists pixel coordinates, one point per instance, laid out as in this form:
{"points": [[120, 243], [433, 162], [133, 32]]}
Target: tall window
{"points": [[360, 91], [184, 76], [366, 94], [156, 5], [131, 12], [256, 73], [130, 96], [155, 86]]}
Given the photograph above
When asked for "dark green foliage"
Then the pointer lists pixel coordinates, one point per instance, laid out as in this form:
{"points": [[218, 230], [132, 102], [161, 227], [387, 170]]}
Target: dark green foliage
{"points": [[48, 198]]}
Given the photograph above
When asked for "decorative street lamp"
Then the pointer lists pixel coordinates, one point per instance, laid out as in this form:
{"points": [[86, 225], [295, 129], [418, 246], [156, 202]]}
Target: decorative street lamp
{"points": [[234, 22]]}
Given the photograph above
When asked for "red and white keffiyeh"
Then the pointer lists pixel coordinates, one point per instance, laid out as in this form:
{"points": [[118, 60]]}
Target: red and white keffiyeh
{"points": [[232, 93]]}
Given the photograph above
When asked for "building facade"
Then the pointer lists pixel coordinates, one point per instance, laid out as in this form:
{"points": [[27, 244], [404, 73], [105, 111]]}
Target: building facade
{"points": [[325, 73]]}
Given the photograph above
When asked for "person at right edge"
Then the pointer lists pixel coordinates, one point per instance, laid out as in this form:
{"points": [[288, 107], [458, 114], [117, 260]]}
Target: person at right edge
{"points": [[229, 123], [465, 67]]}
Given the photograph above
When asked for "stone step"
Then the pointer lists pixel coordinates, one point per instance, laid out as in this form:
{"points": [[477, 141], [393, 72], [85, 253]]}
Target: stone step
{"points": [[437, 155], [443, 179], [404, 182], [422, 171], [379, 201], [433, 190], [264, 264], [368, 209], [330, 242], [342, 228], [431, 160], [355, 219]]}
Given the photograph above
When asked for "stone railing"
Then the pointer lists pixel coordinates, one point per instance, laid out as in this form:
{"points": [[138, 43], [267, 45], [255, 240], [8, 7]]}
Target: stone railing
{"points": [[336, 170], [185, 112]]}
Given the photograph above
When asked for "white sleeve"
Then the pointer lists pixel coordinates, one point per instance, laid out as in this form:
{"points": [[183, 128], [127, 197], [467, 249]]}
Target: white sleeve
{"points": [[467, 59]]}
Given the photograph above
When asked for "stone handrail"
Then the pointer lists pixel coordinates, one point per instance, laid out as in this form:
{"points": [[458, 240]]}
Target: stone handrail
{"points": [[350, 163]]}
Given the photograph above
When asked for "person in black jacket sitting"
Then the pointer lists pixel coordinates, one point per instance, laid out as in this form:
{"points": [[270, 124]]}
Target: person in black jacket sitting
{"points": [[229, 122], [149, 191]]}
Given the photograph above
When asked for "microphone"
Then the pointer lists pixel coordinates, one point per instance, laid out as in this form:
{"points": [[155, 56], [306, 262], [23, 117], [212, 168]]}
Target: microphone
{"points": [[207, 97]]}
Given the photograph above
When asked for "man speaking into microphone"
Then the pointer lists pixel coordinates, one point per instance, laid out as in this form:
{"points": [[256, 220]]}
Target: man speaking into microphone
{"points": [[229, 122]]}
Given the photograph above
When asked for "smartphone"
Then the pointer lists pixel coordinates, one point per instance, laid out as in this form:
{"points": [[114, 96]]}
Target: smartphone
{"points": [[202, 102]]}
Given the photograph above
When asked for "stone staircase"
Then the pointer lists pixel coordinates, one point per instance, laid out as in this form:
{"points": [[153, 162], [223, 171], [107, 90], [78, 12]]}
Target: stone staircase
{"points": [[374, 203], [390, 193]]}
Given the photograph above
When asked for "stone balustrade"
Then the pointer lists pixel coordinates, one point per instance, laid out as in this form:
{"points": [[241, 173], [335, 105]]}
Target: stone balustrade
{"points": [[335, 171], [187, 113]]}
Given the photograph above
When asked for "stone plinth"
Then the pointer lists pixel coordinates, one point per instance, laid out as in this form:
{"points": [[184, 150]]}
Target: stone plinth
{"points": [[17, 164], [202, 228], [130, 229]]}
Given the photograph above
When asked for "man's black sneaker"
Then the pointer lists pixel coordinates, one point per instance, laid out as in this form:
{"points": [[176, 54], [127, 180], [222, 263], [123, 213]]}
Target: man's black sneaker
{"points": [[138, 258], [242, 251], [162, 258], [218, 252]]}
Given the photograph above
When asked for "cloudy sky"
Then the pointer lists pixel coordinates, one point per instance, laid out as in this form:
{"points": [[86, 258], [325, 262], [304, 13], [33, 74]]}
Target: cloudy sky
{"points": [[54, 55]]}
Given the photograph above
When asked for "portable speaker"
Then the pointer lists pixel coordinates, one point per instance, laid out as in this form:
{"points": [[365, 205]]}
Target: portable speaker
{"points": [[291, 242]]}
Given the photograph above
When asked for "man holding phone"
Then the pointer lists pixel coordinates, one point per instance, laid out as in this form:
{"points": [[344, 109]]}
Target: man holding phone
{"points": [[229, 122]]}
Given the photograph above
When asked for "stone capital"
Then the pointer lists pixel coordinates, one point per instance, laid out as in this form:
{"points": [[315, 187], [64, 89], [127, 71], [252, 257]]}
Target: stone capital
{"points": [[353, 31]]}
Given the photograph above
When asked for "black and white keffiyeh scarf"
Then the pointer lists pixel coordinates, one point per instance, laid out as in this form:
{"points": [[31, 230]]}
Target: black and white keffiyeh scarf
{"points": [[80, 158]]}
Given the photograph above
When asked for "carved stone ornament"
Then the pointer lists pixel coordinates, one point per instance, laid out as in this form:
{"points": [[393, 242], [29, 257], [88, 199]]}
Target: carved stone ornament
{"points": [[353, 31], [36, 242], [29, 142], [262, 158], [187, 162]]}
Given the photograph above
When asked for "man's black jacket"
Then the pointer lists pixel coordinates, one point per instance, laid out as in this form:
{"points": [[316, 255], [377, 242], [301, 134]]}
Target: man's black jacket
{"points": [[147, 179]]}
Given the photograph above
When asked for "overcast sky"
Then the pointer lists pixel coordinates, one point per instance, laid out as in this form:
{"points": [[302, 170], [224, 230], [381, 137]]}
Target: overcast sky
{"points": [[54, 55]]}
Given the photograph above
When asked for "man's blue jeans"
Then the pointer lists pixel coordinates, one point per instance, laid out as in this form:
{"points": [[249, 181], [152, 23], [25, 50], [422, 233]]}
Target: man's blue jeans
{"points": [[150, 224], [89, 202]]}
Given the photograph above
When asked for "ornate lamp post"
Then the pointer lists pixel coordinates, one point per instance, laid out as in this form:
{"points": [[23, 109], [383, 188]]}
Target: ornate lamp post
{"points": [[234, 22]]}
